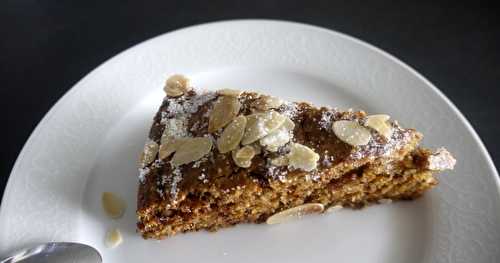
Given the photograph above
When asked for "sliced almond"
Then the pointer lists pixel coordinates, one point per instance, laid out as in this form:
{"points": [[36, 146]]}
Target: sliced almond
{"points": [[334, 208], [113, 238], [289, 124], [280, 161], [149, 153], [176, 86], [246, 152], [169, 141], [226, 108], [295, 213], [351, 132], [265, 102], [379, 123], [302, 157], [232, 134], [113, 205], [275, 139], [260, 125], [230, 92], [192, 150], [243, 156], [279, 137], [169, 146]]}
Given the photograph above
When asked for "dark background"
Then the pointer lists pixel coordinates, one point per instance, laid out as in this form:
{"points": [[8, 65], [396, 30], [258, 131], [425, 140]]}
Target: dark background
{"points": [[47, 46]]}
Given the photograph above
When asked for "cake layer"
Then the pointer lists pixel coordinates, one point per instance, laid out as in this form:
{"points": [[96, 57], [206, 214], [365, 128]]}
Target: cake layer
{"points": [[218, 207]]}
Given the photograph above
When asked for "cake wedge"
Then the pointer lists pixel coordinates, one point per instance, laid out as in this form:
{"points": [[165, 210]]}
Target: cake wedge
{"points": [[220, 158]]}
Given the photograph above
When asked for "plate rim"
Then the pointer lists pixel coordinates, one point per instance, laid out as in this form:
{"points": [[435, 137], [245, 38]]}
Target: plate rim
{"points": [[71, 92]]}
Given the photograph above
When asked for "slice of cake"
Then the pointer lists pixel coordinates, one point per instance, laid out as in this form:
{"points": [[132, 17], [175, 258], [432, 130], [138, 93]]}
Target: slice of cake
{"points": [[216, 159]]}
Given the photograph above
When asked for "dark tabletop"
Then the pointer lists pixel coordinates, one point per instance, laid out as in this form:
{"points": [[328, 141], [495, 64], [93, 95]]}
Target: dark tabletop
{"points": [[47, 46]]}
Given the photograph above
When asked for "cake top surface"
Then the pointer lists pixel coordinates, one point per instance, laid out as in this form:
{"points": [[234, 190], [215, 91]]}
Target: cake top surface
{"points": [[229, 139]]}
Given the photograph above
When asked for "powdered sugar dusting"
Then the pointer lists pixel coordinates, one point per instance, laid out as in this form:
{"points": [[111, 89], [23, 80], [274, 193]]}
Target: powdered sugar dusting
{"points": [[189, 105], [183, 107], [176, 127], [179, 111], [176, 106], [289, 109], [380, 147], [277, 173], [164, 117], [142, 174], [177, 177], [163, 179], [327, 159], [326, 120], [157, 163]]}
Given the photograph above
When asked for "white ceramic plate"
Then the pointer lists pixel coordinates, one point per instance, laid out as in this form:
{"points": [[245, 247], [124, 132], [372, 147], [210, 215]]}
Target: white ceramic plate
{"points": [[89, 142]]}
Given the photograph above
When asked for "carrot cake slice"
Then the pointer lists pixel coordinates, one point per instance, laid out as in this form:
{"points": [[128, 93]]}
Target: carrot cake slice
{"points": [[216, 159]]}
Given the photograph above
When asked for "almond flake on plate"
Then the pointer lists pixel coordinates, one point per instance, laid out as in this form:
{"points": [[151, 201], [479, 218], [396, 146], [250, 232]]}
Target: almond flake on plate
{"points": [[385, 201], [113, 205], [113, 238], [334, 208], [295, 213]]}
